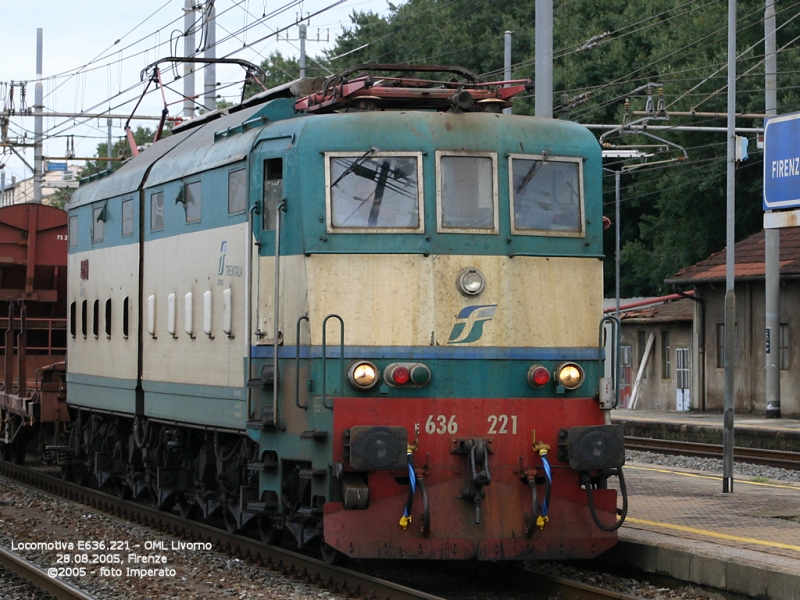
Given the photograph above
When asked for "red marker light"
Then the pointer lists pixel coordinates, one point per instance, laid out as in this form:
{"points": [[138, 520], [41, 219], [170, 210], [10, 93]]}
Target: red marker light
{"points": [[538, 376], [401, 375], [541, 376]]}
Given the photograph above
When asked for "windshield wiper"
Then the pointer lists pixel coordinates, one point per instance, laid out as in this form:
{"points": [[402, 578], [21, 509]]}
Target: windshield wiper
{"points": [[354, 164], [537, 164]]}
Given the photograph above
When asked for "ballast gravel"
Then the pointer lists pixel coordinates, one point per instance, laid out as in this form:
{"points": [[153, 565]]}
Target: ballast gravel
{"points": [[29, 517]]}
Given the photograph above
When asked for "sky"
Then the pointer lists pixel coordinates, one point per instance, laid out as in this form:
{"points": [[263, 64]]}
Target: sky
{"points": [[94, 51]]}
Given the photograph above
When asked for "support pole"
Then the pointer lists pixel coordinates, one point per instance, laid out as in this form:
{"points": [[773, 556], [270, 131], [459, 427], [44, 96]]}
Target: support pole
{"points": [[730, 297], [188, 51], [210, 51], [38, 123], [108, 146], [616, 237], [507, 64], [772, 239], [544, 59], [303, 34]]}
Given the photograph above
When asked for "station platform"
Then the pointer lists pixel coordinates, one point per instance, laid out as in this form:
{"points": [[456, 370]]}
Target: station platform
{"points": [[680, 524], [750, 431]]}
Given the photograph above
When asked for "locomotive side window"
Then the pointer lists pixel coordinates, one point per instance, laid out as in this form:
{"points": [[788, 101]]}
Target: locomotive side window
{"points": [[374, 191], [273, 190], [547, 197], [193, 199], [237, 191], [72, 232], [157, 211], [467, 192], [98, 223], [127, 218], [72, 317]]}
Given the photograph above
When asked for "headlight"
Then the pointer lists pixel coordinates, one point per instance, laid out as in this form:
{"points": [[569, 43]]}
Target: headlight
{"points": [[470, 281], [362, 375], [569, 375]]}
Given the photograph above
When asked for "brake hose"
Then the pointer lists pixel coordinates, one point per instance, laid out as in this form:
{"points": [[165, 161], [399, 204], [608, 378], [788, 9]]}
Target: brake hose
{"points": [[542, 519], [586, 480]]}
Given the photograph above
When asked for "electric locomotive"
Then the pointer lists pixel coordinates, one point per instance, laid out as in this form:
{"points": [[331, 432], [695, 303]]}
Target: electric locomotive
{"points": [[366, 313]]}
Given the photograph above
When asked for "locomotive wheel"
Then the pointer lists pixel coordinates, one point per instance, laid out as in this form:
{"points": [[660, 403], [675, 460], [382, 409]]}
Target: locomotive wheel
{"points": [[124, 491], [331, 555], [269, 534], [231, 526], [186, 507]]}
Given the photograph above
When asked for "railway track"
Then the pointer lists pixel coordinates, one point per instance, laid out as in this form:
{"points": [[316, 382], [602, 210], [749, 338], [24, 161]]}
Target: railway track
{"points": [[309, 570], [758, 456], [39, 577]]}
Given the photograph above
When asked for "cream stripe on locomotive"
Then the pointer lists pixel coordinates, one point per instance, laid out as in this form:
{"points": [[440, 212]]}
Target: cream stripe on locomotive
{"points": [[412, 300], [184, 341], [108, 284]]}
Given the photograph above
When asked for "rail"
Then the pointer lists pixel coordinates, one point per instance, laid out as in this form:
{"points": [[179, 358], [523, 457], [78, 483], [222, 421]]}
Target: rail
{"points": [[39, 577], [759, 456], [290, 564]]}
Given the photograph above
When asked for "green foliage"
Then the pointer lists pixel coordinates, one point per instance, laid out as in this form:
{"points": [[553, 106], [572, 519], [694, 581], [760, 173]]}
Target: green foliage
{"points": [[278, 70], [672, 214], [120, 149]]}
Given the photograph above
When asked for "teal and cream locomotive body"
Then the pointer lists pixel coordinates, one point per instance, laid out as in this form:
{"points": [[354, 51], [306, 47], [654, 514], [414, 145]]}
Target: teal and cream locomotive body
{"points": [[374, 329]]}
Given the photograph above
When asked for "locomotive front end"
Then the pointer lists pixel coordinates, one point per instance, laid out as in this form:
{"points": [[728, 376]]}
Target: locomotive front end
{"points": [[453, 290]]}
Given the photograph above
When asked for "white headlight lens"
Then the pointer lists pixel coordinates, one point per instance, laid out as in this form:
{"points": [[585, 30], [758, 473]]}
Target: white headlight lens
{"points": [[470, 282], [569, 375], [362, 375]]}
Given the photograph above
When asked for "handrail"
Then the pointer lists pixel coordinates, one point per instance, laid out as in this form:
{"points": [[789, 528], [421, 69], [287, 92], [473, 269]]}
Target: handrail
{"points": [[614, 363], [276, 300], [297, 365], [325, 355]]}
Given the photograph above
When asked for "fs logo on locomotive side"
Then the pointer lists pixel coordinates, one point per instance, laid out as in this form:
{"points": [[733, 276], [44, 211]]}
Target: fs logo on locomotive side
{"points": [[469, 325]]}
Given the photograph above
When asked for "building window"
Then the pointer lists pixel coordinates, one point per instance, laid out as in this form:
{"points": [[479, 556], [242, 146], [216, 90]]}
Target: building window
{"points": [[194, 206], [157, 211], [784, 355], [237, 191], [665, 358], [127, 218], [720, 346], [641, 346]]}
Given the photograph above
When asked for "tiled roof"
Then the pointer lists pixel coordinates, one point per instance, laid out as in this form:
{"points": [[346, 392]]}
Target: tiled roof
{"points": [[749, 260], [669, 312]]}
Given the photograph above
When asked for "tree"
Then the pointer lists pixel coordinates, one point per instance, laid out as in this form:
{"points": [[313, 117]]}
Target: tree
{"points": [[278, 70], [121, 148], [606, 51]]}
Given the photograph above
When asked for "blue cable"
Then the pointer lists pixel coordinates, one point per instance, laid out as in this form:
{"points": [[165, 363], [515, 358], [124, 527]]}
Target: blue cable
{"points": [[412, 480], [549, 479]]}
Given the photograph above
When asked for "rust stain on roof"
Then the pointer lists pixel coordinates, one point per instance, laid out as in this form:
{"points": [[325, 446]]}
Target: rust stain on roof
{"points": [[749, 259]]}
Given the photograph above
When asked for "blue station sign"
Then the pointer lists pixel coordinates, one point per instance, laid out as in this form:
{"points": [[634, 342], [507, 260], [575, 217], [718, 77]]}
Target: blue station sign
{"points": [[782, 162]]}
